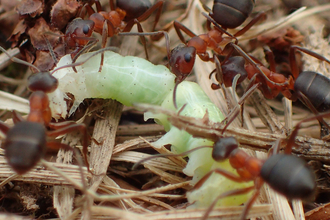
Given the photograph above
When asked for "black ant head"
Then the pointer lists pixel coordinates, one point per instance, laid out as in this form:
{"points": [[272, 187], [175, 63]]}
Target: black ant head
{"points": [[42, 81], [223, 147]]}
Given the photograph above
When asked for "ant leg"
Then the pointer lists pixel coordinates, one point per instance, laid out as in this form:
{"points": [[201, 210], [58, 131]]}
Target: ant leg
{"points": [[66, 127], [170, 24], [84, 61], [257, 185], [112, 5], [233, 114], [16, 60], [89, 10], [167, 39], [57, 146], [259, 17], [291, 141], [324, 125], [107, 30], [168, 155], [227, 194], [222, 172], [217, 26], [17, 117], [142, 37], [293, 61], [180, 27], [98, 5], [219, 73], [82, 51], [4, 128], [270, 58]]}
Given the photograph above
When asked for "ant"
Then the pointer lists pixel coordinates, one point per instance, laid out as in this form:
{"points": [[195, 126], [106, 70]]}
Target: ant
{"points": [[224, 15], [285, 173], [120, 19], [25, 142], [310, 87]]}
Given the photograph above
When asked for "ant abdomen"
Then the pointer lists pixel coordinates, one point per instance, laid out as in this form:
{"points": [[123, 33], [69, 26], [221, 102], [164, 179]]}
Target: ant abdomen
{"points": [[231, 14], [316, 88], [133, 8], [289, 175], [25, 145]]}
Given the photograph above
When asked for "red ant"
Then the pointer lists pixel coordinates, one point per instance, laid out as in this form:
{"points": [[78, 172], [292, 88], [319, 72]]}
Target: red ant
{"points": [[225, 14], [285, 173], [310, 87], [25, 142], [108, 24]]}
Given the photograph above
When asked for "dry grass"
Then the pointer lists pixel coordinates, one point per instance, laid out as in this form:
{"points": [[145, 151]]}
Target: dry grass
{"points": [[158, 190]]}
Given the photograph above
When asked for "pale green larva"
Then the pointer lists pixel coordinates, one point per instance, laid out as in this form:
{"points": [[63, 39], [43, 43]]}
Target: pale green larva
{"points": [[135, 80]]}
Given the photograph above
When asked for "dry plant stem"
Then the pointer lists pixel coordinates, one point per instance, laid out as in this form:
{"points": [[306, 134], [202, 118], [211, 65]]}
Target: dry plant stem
{"points": [[137, 130], [265, 113], [5, 60], [105, 133], [223, 213], [63, 196], [78, 185], [308, 148], [40, 175]]}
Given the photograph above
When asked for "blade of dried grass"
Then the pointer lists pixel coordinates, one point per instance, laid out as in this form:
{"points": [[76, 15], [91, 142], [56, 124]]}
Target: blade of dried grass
{"points": [[223, 213], [11, 102], [134, 157]]}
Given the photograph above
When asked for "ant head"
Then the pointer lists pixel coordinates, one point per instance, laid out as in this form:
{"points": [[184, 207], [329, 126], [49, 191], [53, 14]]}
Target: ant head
{"points": [[182, 61], [42, 81], [223, 147], [79, 30]]}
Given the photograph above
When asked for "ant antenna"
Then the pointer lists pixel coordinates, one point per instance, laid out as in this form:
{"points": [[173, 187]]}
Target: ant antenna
{"points": [[168, 155], [16, 60]]}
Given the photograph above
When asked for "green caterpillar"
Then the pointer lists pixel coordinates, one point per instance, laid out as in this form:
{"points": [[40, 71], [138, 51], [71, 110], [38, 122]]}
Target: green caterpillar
{"points": [[135, 80]]}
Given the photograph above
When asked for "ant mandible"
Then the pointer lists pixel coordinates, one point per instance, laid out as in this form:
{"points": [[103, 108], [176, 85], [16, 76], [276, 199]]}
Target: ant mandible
{"points": [[25, 142], [119, 19]]}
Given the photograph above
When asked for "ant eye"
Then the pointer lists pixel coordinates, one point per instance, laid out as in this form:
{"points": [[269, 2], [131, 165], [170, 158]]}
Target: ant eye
{"points": [[187, 57], [85, 29]]}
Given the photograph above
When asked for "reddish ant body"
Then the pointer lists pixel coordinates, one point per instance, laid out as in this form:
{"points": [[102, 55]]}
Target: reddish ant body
{"points": [[183, 57], [285, 173], [25, 142], [310, 86], [119, 19]]}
